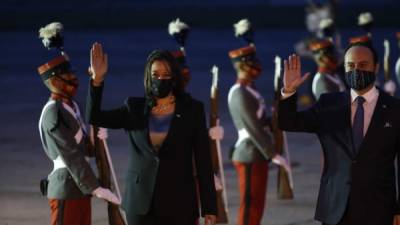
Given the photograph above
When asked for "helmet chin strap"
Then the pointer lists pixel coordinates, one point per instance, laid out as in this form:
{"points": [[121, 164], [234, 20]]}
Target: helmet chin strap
{"points": [[69, 82], [61, 91]]}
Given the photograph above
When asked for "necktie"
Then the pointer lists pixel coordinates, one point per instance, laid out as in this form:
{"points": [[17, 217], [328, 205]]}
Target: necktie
{"points": [[358, 124]]}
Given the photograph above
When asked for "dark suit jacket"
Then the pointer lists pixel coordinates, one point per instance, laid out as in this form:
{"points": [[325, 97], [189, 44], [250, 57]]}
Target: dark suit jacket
{"points": [[365, 183], [162, 181]]}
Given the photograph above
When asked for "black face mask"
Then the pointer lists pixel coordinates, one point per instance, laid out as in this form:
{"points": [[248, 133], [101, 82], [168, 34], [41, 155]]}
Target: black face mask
{"points": [[359, 79], [160, 88]]}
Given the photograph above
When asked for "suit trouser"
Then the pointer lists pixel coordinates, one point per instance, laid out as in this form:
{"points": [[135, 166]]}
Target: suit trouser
{"points": [[161, 220], [252, 179], [348, 220], [151, 218], [71, 211]]}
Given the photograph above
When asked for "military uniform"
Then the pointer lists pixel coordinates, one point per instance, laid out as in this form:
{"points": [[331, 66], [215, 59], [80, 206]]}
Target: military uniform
{"points": [[326, 79], [64, 140], [181, 59], [254, 146]]}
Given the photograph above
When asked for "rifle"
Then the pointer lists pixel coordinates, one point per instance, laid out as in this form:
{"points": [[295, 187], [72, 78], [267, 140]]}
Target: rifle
{"points": [[285, 181], [106, 173], [389, 85], [216, 154], [386, 59]]}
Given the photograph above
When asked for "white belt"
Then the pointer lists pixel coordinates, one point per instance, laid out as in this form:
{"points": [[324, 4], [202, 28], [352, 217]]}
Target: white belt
{"points": [[58, 163], [242, 135]]}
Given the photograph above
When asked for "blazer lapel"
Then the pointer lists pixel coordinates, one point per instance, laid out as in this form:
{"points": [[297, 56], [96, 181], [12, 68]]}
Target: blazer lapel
{"points": [[348, 132], [142, 136]]}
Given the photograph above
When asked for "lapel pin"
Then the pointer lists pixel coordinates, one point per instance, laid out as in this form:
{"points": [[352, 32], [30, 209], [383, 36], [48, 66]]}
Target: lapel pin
{"points": [[387, 124], [178, 115], [384, 106]]}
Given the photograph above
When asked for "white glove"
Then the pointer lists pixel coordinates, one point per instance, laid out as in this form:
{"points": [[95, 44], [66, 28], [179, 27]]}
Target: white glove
{"points": [[217, 132], [218, 183], [102, 134], [390, 87], [279, 160], [106, 194]]}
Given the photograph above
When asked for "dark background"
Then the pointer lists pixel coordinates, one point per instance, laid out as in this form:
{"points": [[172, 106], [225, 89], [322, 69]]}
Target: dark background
{"points": [[130, 14]]}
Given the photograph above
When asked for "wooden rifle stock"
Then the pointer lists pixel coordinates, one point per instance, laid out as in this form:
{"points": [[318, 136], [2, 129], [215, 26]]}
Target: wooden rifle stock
{"points": [[386, 60], [216, 155], [285, 190], [115, 216]]}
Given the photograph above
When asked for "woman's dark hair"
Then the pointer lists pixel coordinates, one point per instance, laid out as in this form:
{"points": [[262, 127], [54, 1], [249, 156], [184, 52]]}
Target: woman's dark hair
{"points": [[367, 45], [177, 78]]}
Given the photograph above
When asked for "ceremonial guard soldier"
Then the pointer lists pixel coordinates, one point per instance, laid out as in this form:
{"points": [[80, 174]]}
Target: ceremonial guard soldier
{"points": [[254, 147], [72, 181], [326, 79], [179, 31]]}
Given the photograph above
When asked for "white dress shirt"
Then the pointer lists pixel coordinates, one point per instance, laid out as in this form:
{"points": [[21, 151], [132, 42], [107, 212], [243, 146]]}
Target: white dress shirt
{"points": [[371, 98]]}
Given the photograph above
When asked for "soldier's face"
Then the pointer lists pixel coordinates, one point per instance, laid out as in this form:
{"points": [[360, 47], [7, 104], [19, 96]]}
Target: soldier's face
{"points": [[254, 68], [328, 61], [361, 58], [68, 84]]}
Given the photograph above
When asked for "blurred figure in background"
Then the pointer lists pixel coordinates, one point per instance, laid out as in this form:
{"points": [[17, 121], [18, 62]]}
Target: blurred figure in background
{"points": [[326, 79]]}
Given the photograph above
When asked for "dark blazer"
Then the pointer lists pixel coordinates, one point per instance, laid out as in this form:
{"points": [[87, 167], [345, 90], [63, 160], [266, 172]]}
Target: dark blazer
{"points": [[364, 183], [162, 181]]}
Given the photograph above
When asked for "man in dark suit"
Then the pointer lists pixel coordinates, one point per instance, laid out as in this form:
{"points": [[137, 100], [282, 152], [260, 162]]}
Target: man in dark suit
{"points": [[359, 131]]}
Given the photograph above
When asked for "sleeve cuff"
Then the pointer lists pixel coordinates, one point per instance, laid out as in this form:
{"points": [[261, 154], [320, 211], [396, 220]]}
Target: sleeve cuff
{"points": [[285, 95], [96, 86]]}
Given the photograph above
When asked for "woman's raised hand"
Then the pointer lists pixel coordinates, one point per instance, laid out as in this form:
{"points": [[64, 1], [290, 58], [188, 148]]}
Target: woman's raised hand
{"points": [[98, 64], [292, 78]]}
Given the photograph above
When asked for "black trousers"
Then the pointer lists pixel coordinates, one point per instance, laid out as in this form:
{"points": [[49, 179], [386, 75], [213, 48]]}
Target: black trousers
{"points": [[161, 220], [151, 218]]}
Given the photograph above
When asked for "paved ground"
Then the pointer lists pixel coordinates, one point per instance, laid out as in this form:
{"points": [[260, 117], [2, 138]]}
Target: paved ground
{"points": [[21, 203], [22, 160]]}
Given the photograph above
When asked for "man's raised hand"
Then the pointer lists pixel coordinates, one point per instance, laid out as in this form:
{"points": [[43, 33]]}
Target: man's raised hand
{"points": [[292, 78]]}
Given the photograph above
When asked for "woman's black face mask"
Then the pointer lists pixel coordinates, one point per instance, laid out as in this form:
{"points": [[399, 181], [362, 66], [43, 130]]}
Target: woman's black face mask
{"points": [[160, 88]]}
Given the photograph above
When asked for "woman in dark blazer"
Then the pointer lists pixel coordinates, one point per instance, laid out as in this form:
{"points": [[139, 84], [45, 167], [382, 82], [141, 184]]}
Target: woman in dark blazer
{"points": [[167, 130]]}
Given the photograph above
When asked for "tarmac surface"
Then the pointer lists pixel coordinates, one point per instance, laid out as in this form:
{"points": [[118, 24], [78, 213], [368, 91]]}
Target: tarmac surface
{"points": [[23, 162]]}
